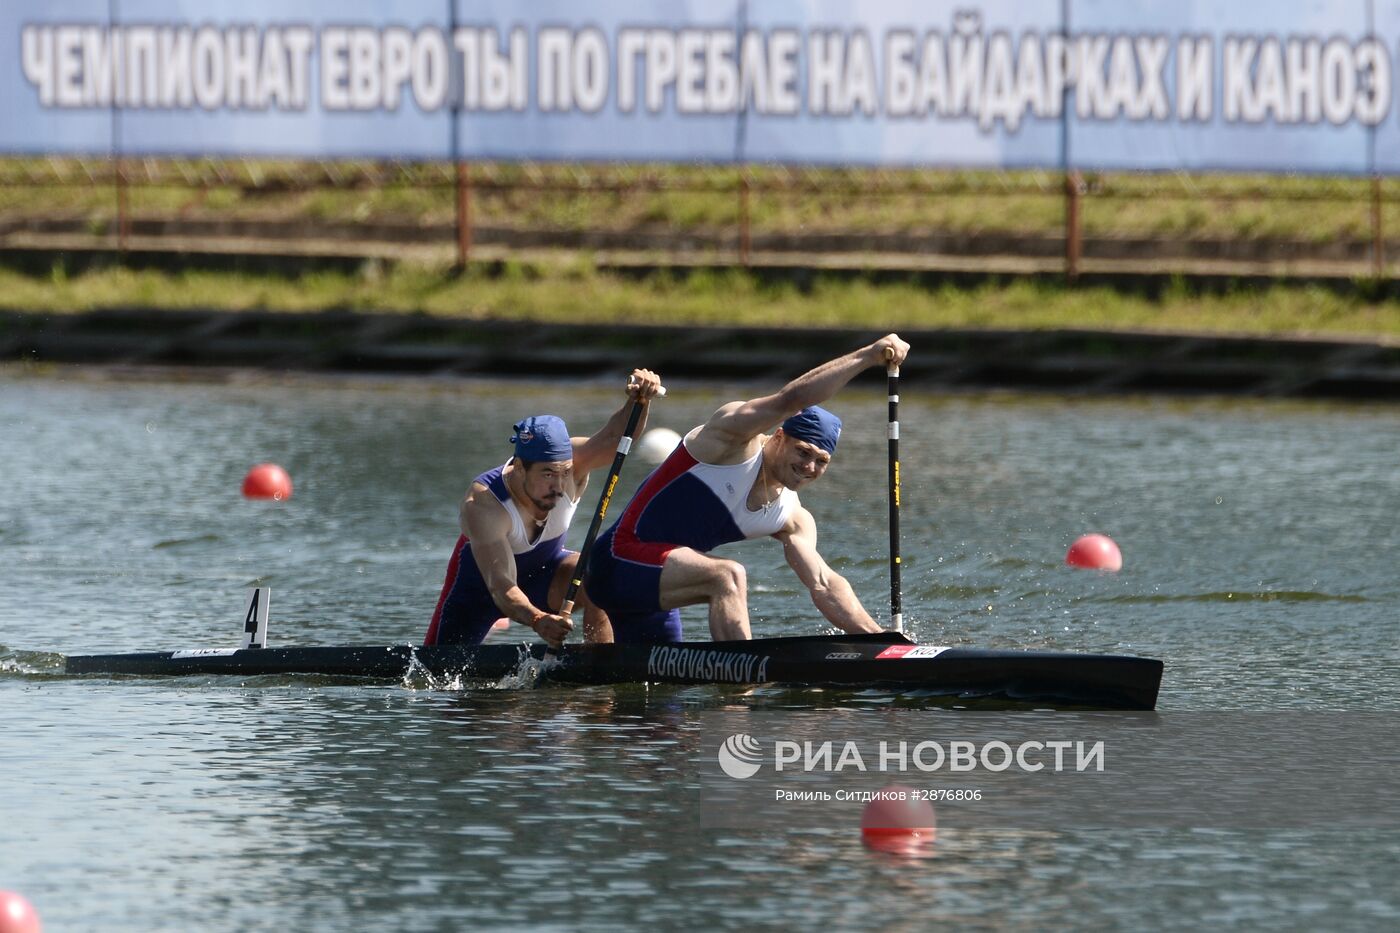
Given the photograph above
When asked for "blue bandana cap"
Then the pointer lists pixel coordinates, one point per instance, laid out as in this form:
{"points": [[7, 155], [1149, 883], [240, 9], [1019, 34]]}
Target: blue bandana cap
{"points": [[542, 439], [815, 425]]}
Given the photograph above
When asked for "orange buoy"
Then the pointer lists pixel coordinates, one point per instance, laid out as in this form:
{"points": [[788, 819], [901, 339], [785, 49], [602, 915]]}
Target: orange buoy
{"points": [[267, 481], [17, 915], [1095, 552], [898, 820]]}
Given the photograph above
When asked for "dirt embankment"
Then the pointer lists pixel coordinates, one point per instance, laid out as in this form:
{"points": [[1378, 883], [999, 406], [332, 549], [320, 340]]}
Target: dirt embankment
{"points": [[1063, 361]]}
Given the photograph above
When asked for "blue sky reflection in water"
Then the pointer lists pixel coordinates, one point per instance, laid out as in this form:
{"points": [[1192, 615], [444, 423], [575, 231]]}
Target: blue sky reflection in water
{"points": [[1259, 543]]}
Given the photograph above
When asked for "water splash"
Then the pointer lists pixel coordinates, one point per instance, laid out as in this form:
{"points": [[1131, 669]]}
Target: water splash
{"points": [[24, 663], [528, 671], [417, 677], [525, 676]]}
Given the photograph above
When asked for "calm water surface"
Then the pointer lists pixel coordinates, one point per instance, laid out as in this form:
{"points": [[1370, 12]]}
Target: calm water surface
{"points": [[1260, 547]]}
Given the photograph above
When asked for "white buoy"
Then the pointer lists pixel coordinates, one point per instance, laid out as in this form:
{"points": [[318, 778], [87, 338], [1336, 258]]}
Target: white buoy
{"points": [[656, 445]]}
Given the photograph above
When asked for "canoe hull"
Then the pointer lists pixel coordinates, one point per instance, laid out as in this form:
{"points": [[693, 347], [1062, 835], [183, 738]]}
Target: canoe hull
{"points": [[885, 660]]}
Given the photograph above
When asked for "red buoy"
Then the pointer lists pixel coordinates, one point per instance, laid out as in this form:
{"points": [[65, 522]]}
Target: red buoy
{"points": [[1095, 552], [17, 915], [898, 820], [267, 481]]}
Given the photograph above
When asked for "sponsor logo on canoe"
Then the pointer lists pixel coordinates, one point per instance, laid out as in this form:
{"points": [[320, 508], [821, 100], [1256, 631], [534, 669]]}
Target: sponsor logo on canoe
{"points": [[707, 665], [202, 653], [911, 651], [844, 656]]}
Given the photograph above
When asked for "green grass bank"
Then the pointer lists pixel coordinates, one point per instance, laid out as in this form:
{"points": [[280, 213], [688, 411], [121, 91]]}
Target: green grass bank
{"points": [[577, 292], [690, 198]]}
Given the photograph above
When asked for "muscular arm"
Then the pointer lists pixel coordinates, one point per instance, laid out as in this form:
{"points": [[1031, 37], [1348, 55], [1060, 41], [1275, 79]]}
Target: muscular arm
{"points": [[730, 432], [590, 453], [486, 524], [831, 594]]}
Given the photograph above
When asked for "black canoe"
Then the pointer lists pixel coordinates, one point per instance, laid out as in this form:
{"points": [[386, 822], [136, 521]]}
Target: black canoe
{"points": [[885, 661]]}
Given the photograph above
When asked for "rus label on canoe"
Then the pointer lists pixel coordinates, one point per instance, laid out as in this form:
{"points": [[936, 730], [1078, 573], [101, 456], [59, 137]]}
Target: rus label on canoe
{"points": [[707, 665], [911, 652]]}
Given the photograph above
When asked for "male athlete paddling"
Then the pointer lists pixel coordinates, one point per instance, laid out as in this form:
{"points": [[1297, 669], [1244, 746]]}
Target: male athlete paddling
{"points": [[510, 559], [729, 480]]}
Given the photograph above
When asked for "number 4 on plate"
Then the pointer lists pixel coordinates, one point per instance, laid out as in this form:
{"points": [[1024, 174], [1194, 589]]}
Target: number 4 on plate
{"points": [[255, 618]]}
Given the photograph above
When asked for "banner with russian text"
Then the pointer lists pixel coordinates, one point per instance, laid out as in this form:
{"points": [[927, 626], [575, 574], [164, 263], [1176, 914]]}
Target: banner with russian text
{"points": [[1290, 86]]}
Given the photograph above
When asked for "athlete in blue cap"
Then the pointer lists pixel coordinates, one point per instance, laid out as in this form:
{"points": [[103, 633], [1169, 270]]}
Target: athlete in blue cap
{"points": [[727, 481], [510, 559]]}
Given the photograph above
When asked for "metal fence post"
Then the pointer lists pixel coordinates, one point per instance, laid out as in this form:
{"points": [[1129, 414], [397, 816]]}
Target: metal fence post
{"points": [[1377, 232], [464, 214], [743, 217], [1074, 184], [123, 215]]}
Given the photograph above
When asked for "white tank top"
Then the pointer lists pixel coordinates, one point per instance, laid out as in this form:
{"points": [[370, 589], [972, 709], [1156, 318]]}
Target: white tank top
{"points": [[731, 484], [556, 524]]}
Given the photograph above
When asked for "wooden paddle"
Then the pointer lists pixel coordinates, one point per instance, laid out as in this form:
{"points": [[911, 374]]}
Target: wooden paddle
{"points": [[896, 608]]}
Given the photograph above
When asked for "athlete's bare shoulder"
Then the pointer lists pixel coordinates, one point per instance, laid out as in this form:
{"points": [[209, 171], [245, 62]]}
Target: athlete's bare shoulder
{"points": [[724, 439], [482, 507]]}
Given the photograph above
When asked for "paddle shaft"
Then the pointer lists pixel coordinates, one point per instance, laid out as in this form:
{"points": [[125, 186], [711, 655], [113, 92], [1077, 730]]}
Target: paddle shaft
{"points": [[896, 607], [624, 446]]}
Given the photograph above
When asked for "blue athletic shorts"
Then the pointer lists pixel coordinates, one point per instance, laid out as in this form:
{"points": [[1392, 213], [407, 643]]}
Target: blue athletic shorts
{"points": [[630, 592], [466, 611]]}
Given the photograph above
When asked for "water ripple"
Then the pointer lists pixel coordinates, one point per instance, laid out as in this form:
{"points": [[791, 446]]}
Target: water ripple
{"points": [[1263, 596]]}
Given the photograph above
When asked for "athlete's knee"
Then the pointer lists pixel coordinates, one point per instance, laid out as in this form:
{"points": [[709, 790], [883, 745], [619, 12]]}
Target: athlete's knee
{"points": [[564, 568], [730, 578], [597, 627]]}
